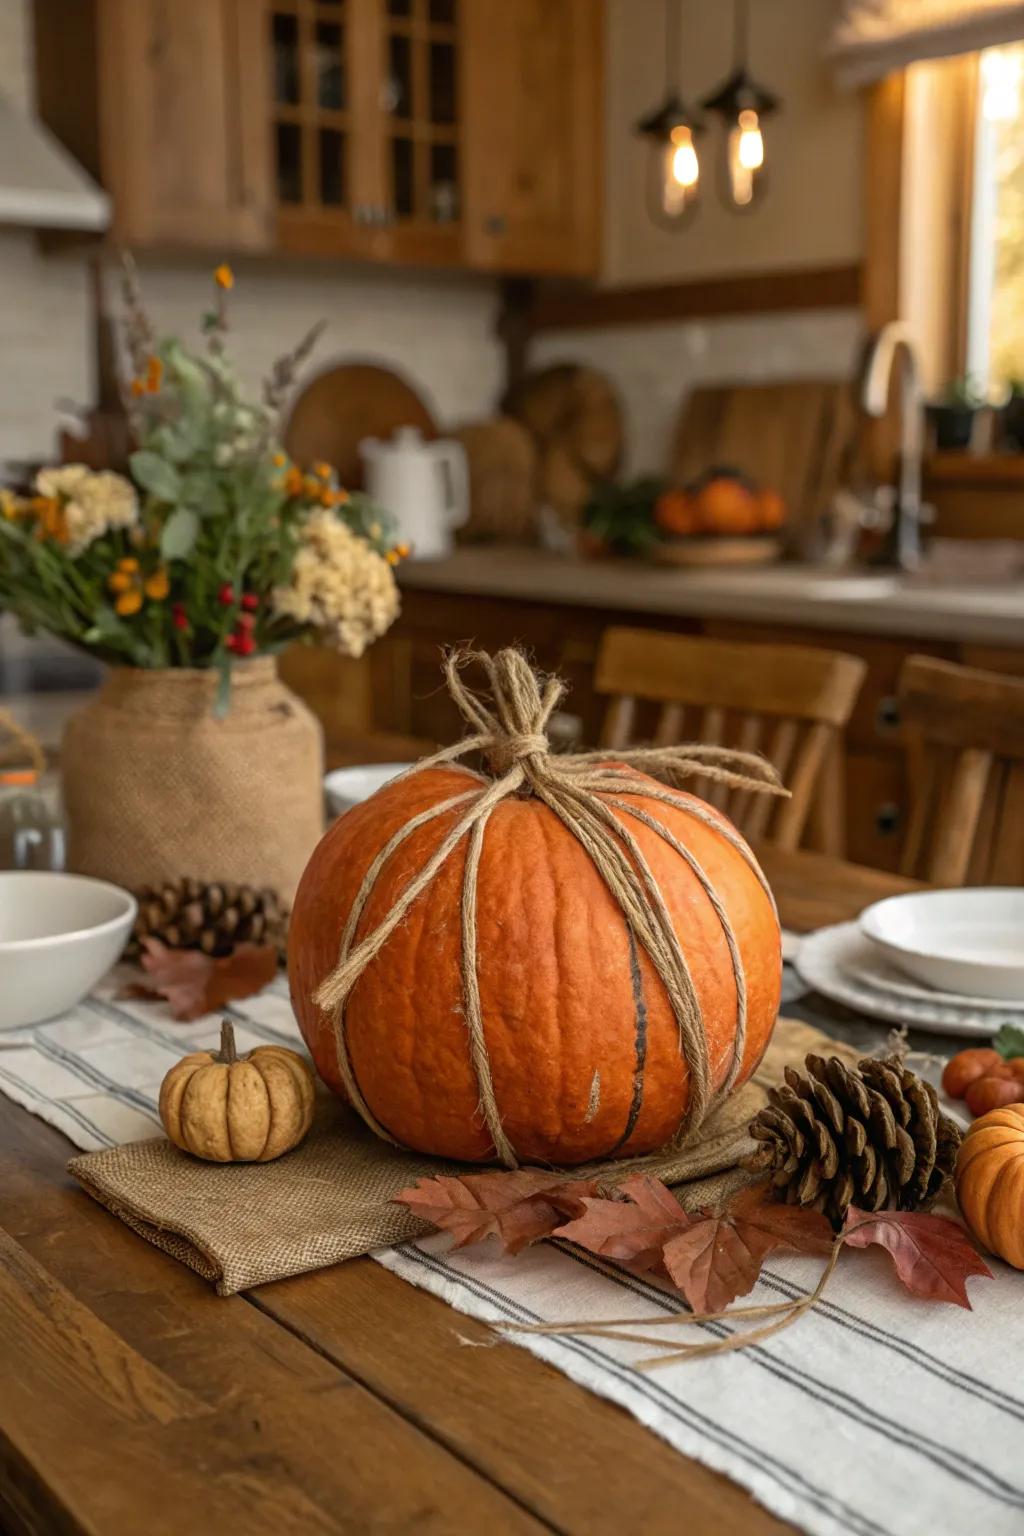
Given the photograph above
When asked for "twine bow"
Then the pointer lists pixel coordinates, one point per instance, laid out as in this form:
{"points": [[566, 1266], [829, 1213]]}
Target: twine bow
{"points": [[583, 790]]}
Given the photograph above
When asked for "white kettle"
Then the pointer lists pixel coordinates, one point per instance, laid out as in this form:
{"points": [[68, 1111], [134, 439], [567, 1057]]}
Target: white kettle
{"points": [[425, 487]]}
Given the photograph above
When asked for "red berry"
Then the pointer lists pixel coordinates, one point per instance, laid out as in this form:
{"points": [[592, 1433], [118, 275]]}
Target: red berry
{"points": [[250, 601], [246, 621], [231, 643], [226, 594], [179, 618], [245, 645]]}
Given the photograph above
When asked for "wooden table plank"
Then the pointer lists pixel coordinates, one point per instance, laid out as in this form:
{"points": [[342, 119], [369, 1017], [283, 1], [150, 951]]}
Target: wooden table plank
{"points": [[238, 1424], [337, 1400]]}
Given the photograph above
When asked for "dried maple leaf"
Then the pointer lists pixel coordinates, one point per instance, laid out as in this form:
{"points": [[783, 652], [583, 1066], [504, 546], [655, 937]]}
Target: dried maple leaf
{"points": [[719, 1257], [933, 1256], [193, 983], [517, 1207], [632, 1231]]}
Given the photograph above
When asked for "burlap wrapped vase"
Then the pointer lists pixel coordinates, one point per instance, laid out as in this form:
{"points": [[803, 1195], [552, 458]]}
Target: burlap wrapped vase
{"points": [[156, 786]]}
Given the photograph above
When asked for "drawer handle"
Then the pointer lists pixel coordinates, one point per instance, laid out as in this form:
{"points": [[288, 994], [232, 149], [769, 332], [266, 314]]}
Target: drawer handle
{"points": [[888, 819], [887, 715]]}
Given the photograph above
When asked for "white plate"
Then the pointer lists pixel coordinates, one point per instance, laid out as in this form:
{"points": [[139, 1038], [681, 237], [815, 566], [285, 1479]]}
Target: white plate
{"points": [[828, 959], [346, 787], [968, 941], [883, 977]]}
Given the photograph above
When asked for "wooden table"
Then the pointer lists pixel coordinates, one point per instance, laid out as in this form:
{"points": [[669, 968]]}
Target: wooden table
{"points": [[136, 1402]]}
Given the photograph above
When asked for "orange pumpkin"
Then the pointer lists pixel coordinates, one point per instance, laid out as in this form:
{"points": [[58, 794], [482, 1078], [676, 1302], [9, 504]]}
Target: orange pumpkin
{"points": [[990, 1182], [675, 513], [725, 505], [771, 511], [583, 1047]]}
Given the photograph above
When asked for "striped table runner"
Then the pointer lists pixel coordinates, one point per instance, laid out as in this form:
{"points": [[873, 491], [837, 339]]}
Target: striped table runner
{"points": [[875, 1415]]}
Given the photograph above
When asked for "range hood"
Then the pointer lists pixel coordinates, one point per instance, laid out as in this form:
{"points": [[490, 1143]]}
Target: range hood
{"points": [[41, 185]]}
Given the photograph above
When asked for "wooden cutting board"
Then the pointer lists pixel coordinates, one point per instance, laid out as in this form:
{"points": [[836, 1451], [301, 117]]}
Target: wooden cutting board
{"points": [[343, 405], [795, 438]]}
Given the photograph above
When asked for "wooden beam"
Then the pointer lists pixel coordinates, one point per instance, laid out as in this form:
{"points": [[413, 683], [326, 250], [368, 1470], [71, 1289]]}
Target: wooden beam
{"points": [[750, 293]]}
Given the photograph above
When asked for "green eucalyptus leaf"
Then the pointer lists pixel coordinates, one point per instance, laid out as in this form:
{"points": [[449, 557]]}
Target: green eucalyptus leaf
{"points": [[179, 533], [1009, 1041], [155, 475]]}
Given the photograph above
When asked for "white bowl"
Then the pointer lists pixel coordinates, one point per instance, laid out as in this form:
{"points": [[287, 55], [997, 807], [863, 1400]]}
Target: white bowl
{"points": [[58, 935], [968, 941], [346, 787]]}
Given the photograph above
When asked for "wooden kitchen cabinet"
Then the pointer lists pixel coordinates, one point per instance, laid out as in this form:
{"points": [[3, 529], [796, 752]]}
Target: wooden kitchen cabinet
{"points": [[534, 137], [462, 133], [454, 132], [164, 102]]}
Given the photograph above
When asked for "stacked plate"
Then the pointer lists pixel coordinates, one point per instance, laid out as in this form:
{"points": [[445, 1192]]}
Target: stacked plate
{"points": [[948, 961]]}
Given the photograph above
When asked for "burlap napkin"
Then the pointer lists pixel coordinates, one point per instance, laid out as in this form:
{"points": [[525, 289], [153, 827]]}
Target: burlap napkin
{"points": [[242, 1224]]}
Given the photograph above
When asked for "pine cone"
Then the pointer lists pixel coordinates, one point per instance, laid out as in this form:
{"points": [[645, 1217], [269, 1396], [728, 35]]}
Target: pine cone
{"points": [[871, 1136], [187, 914]]}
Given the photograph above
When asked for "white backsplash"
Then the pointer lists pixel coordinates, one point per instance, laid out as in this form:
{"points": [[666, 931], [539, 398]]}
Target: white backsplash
{"points": [[655, 366]]}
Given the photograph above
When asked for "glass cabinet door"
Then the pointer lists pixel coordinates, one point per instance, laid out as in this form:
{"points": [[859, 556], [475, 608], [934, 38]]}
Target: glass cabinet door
{"points": [[316, 106], [422, 117]]}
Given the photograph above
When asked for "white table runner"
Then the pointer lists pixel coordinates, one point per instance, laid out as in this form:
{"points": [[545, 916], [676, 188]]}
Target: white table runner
{"points": [[877, 1414]]}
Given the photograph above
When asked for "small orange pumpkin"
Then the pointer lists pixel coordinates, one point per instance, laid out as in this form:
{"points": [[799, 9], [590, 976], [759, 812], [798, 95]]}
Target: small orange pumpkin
{"points": [[675, 513], [725, 505], [583, 1050], [771, 511], [990, 1182]]}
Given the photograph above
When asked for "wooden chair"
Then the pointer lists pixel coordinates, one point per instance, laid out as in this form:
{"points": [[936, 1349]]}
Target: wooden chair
{"points": [[788, 702], [964, 733]]}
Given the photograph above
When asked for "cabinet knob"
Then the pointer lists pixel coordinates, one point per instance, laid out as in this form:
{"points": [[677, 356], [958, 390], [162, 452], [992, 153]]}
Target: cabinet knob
{"points": [[887, 715], [888, 818], [495, 224]]}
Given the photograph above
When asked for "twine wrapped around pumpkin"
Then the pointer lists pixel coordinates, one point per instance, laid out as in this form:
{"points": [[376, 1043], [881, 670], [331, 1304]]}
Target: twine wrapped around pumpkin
{"points": [[582, 790]]}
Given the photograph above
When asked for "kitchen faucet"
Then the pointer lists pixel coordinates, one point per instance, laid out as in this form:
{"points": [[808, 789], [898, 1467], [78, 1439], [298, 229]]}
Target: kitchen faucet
{"points": [[891, 346]]}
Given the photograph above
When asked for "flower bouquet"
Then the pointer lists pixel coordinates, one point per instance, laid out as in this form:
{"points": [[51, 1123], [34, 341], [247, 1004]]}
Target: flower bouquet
{"points": [[188, 578]]}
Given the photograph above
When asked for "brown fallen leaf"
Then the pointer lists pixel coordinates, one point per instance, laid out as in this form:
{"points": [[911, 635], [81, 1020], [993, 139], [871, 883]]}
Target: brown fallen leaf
{"points": [[933, 1256], [193, 983], [633, 1230], [719, 1256], [517, 1207]]}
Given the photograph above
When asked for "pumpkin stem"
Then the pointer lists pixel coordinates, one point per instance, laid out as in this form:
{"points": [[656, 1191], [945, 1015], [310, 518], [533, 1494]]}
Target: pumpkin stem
{"points": [[227, 1042]]}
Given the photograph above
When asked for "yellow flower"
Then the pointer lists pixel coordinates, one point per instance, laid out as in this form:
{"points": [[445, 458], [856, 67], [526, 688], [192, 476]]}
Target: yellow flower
{"points": [[157, 586], [323, 470], [129, 603], [129, 563], [224, 277], [401, 550], [121, 582], [391, 557], [10, 507], [279, 461]]}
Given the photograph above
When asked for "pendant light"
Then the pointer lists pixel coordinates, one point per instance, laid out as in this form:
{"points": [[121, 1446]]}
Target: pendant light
{"points": [[743, 105], [673, 167]]}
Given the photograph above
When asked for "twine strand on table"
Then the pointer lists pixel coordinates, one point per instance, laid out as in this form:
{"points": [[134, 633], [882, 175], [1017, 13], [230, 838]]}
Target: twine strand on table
{"points": [[508, 727]]}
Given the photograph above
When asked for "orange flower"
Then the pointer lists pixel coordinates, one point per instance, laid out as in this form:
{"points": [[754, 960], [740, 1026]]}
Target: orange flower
{"points": [[312, 487], [120, 581], [401, 550], [323, 470], [391, 557], [157, 586], [279, 461], [154, 376], [50, 520], [334, 498], [129, 563], [293, 481], [138, 387], [129, 603], [224, 277]]}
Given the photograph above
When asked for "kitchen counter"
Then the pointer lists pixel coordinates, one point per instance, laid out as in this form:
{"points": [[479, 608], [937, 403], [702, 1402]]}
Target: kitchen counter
{"points": [[876, 603]]}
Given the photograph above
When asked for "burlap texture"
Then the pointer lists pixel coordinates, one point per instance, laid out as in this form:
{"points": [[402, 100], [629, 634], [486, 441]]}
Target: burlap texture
{"points": [[156, 787], [243, 1224]]}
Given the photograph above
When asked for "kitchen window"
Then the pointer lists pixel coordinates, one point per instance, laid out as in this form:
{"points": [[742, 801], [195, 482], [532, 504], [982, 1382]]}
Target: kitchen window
{"points": [[995, 289]]}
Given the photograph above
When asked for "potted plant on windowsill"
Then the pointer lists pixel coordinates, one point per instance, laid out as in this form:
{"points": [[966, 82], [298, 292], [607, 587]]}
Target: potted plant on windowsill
{"points": [[187, 580], [953, 413]]}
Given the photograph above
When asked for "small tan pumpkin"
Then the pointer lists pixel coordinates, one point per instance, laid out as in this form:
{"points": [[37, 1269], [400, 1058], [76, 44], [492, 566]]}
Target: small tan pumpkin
{"points": [[990, 1182], [237, 1109]]}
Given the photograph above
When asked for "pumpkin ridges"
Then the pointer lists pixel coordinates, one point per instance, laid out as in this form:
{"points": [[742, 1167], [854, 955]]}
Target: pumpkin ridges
{"points": [[1004, 1209], [247, 1095], [202, 1121], [990, 1181], [382, 1030]]}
